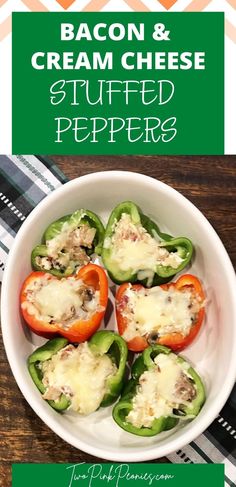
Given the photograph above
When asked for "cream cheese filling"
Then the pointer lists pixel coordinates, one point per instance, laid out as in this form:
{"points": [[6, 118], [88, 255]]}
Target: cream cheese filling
{"points": [[133, 248], [61, 301], [69, 245], [159, 311], [158, 388], [80, 374]]}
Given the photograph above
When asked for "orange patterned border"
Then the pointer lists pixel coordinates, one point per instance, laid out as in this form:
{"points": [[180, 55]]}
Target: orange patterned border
{"points": [[232, 3], [35, 5], [136, 5], [197, 5], [5, 27], [95, 5], [230, 31]]}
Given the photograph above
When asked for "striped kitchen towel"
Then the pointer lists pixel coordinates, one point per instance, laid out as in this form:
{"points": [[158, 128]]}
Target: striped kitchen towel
{"points": [[216, 445], [24, 181]]}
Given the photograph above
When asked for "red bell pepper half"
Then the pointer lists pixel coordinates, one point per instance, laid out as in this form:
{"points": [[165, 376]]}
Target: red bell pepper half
{"points": [[174, 340], [77, 330]]}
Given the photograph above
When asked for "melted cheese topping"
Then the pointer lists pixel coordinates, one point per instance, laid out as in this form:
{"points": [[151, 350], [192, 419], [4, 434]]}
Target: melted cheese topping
{"points": [[156, 394], [56, 244], [161, 311], [132, 248], [80, 374], [54, 300], [57, 298], [71, 237], [136, 255]]}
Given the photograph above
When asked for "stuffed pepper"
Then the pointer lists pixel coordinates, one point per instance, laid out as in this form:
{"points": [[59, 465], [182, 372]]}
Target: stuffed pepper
{"points": [[135, 249], [68, 243], [170, 314], [81, 378], [72, 307], [163, 390]]}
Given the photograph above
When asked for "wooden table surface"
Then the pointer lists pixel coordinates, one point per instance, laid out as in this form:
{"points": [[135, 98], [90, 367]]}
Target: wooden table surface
{"points": [[210, 183]]}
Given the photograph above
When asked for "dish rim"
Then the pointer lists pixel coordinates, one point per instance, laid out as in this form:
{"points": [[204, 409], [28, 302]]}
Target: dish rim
{"points": [[205, 420]]}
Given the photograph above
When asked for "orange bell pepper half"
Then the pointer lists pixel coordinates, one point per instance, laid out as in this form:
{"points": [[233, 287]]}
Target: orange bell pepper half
{"points": [[80, 330], [175, 340]]}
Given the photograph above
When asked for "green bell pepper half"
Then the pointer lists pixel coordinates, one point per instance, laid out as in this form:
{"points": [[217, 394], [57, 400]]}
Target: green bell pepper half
{"points": [[40, 355], [102, 342], [114, 345], [145, 362], [42, 251], [76, 220], [162, 274]]}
